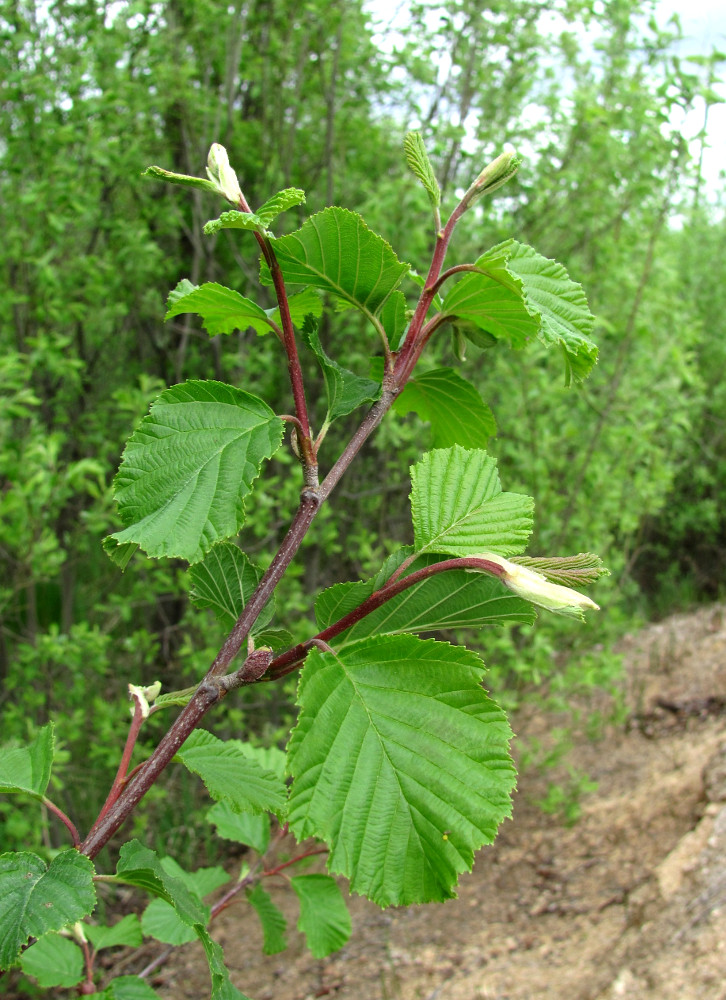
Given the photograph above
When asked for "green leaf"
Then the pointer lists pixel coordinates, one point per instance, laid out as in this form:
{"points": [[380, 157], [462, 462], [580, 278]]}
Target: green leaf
{"points": [[120, 555], [305, 303], [345, 390], [418, 160], [560, 303], [159, 174], [126, 932], [400, 765], [231, 775], [454, 408], [53, 961], [27, 768], [189, 465], [394, 317], [336, 251], [492, 303], [235, 220], [160, 921], [569, 571], [278, 203], [458, 506], [243, 828], [141, 867], [277, 638], [222, 309], [36, 898], [201, 882], [129, 988], [324, 917], [272, 920], [270, 758], [224, 582], [453, 599]]}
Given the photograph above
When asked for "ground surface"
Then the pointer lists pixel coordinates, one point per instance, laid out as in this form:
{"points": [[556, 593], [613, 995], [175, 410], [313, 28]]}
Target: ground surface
{"points": [[629, 902]]}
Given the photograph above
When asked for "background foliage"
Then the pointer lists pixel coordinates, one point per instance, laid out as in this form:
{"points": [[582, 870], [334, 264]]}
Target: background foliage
{"points": [[631, 465]]}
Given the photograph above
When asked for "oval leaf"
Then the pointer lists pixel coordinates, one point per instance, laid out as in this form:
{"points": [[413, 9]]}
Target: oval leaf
{"points": [[189, 465], [36, 898], [458, 506], [336, 250], [453, 407], [400, 764]]}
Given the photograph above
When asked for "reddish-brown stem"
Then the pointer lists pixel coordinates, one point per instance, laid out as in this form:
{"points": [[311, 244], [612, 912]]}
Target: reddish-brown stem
{"points": [[291, 659], [122, 773], [88, 962], [411, 349], [210, 691], [308, 457], [213, 688], [294, 861], [67, 822]]}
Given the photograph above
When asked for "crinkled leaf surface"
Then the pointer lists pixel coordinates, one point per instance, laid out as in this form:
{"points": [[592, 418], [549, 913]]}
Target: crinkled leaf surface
{"points": [[27, 768], [36, 898], [243, 828], [400, 764], [335, 250], [189, 465], [278, 203], [568, 571], [345, 390], [222, 309], [235, 220], [420, 164], [231, 775], [53, 961], [493, 302], [549, 294], [272, 920], [324, 917], [458, 506], [453, 599], [453, 407], [224, 582]]}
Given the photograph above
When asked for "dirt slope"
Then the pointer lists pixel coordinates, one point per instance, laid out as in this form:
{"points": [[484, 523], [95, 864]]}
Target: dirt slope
{"points": [[630, 902]]}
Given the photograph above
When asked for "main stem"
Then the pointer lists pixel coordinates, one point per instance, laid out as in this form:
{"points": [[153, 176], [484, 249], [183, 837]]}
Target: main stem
{"points": [[209, 693]]}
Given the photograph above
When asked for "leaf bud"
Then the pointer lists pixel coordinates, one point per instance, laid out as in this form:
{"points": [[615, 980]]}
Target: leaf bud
{"points": [[537, 589], [145, 696], [221, 174]]}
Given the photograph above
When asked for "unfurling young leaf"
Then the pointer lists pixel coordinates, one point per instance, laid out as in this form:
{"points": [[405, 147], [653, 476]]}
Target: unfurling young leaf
{"points": [[418, 160]]}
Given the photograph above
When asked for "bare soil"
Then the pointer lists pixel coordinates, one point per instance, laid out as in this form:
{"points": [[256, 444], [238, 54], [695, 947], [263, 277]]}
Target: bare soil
{"points": [[629, 902]]}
